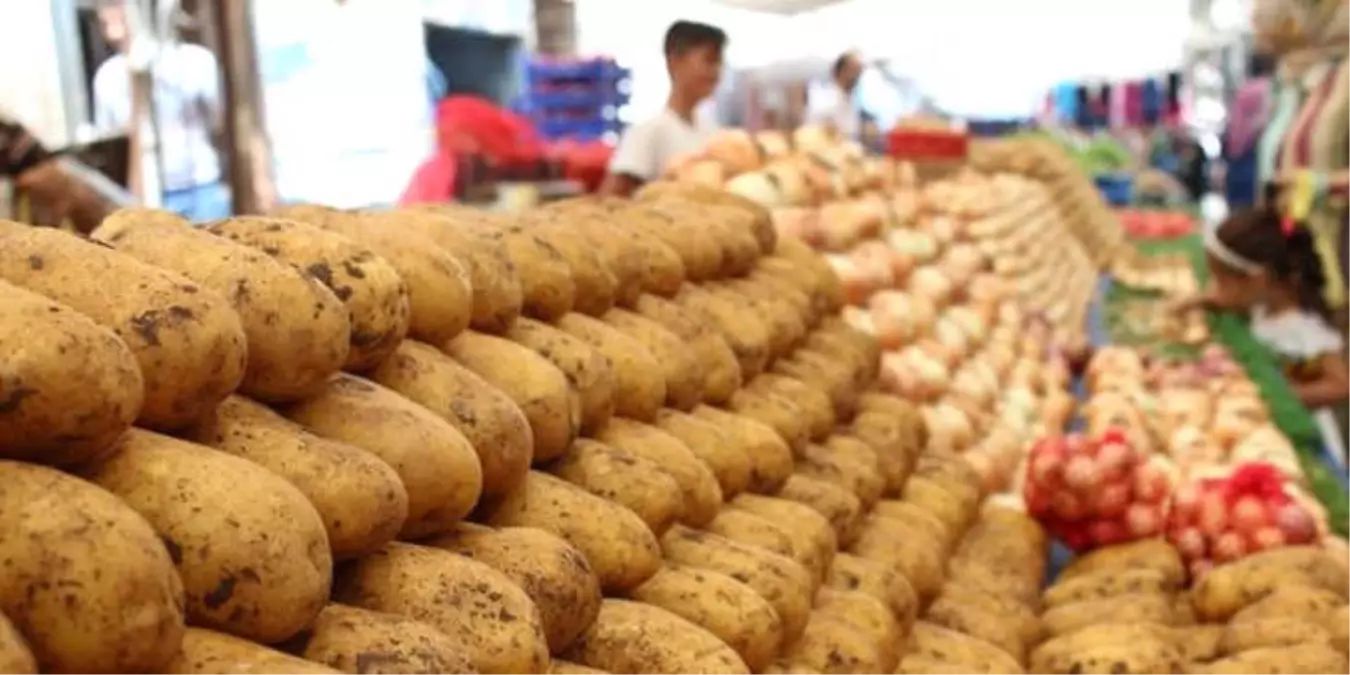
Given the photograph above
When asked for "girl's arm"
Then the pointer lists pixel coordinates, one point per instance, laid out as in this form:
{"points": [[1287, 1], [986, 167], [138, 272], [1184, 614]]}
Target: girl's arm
{"points": [[1332, 386]]}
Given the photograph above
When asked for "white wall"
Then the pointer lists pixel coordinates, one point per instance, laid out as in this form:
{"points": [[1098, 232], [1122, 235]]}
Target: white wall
{"points": [[30, 75]]}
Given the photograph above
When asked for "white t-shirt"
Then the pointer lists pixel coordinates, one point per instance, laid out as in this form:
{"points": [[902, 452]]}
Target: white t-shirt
{"points": [[187, 103], [834, 107], [1298, 335], [647, 148]]}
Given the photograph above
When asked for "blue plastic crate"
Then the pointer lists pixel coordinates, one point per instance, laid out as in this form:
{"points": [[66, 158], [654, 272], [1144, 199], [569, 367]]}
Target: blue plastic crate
{"points": [[1116, 188], [592, 69], [585, 129], [562, 99]]}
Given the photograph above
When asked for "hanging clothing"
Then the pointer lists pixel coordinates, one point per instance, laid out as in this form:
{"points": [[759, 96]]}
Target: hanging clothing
{"points": [[1151, 102]]}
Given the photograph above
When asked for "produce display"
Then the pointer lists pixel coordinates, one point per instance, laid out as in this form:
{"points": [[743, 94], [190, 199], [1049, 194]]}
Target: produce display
{"points": [[1145, 224]]}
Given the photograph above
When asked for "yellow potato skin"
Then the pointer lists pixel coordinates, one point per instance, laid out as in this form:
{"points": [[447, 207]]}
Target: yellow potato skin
{"points": [[722, 373], [435, 462], [190, 345], [298, 332], [554, 574], [1131, 607], [1284, 631], [871, 616], [490, 420], [809, 529], [620, 548], [933, 641], [756, 530], [72, 386], [482, 608], [639, 381], [896, 447], [251, 550], [625, 478], [723, 606], [595, 281], [1147, 553], [1057, 654], [841, 507], [754, 218], [744, 332], [588, 372], [848, 463], [684, 373], [771, 462], [206, 652], [375, 295], [354, 640], [702, 496], [111, 565], [779, 413], [633, 637], [1304, 658], [1230, 588], [979, 622], [834, 645], [15, 657], [852, 573], [894, 543], [361, 498], [1105, 584], [561, 667], [729, 463], [814, 403]]}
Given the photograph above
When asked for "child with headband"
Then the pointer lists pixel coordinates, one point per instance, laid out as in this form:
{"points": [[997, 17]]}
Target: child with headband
{"points": [[1262, 264]]}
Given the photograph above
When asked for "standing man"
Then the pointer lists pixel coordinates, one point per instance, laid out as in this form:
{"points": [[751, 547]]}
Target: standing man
{"points": [[839, 109], [186, 95], [694, 62]]}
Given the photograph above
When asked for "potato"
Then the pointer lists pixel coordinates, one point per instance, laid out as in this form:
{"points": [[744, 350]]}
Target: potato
{"points": [[1338, 624], [1106, 584], [497, 294], [785, 327], [728, 462], [69, 395], [702, 254], [1058, 654], [978, 622], [831, 644], [440, 293], [702, 496], [722, 372], [770, 457], [561, 667], [683, 371], [1126, 608], [754, 217], [883, 582], [628, 479], [618, 252], [753, 529], [1199, 643], [1229, 588], [846, 462], [15, 657], [1141, 658], [487, 417], [361, 498], [813, 403], [888, 438], [290, 354], [919, 664], [744, 332], [770, 284], [666, 269], [188, 342], [729, 227], [1143, 554], [1296, 600], [898, 408], [375, 294], [870, 616], [546, 282], [589, 374], [809, 529], [933, 641], [955, 512], [895, 543], [657, 267], [595, 282], [1007, 549], [622, 551], [954, 474], [1021, 617], [916, 517], [538, 387], [206, 652], [465, 599], [1307, 658], [723, 606], [837, 504], [779, 413], [1008, 582], [825, 292], [555, 575], [77, 561], [633, 637], [1007, 522], [801, 256], [781, 581], [823, 372], [251, 550], [438, 467], [640, 386], [355, 640], [1283, 631]]}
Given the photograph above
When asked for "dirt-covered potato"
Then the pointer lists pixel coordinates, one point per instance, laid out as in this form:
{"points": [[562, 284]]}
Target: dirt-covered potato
{"points": [[491, 421], [955, 511], [824, 291], [1127, 608], [15, 657], [1105, 584], [290, 353], [621, 549], [841, 507], [1019, 616], [1294, 600], [612, 244], [723, 606], [722, 372], [846, 462], [538, 387], [753, 217], [786, 327], [943, 644], [547, 287], [361, 498], [634, 637], [77, 561], [375, 295], [895, 543], [188, 342], [808, 528], [921, 520], [995, 578], [833, 377], [1337, 621], [702, 496], [1229, 588], [701, 254], [977, 621], [206, 652], [555, 575], [595, 282], [756, 530], [743, 331], [1281, 631], [834, 335], [834, 646], [360, 641], [250, 548], [1304, 658], [469, 601], [71, 386], [802, 257], [813, 403], [1143, 554], [625, 478], [780, 413], [684, 373], [878, 580], [781, 581], [904, 411], [888, 438], [1058, 654], [588, 372], [639, 381], [440, 293], [770, 457], [437, 465], [497, 294], [871, 617], [729, 463], [561, 667]]}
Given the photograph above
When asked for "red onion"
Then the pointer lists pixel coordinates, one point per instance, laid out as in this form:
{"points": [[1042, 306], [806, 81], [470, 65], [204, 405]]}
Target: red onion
{"points": [[1143, 520], [1229, 546], [1190, 543], [1296, 523]]}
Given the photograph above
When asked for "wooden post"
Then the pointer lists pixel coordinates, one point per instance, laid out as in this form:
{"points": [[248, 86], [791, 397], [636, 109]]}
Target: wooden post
{"points": [[248, 155]]}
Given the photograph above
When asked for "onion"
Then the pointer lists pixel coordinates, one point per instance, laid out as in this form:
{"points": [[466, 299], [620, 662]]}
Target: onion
{"points": [[1267, 538], [1111, 500], [1107, 532], [1150, 484], [1249, 515], [1143, 520], [1046, 468], [1067, 505], [1199, 568], [1296, 523], [1082, 474], [1212, 517], [1186, 504], [1190, 543], [1114, 458], [1228, 547]]}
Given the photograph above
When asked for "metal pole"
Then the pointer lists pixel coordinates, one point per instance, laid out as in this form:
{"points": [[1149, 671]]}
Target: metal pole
{"points": [[143, 46]]}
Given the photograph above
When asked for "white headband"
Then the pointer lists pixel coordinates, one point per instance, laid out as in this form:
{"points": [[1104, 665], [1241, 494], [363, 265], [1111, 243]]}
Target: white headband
{"points": [[1215, 247]]}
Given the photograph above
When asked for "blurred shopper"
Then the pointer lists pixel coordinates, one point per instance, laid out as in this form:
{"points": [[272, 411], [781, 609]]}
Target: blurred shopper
{"points": [[1251, 106], [186, 97], [839, 108], [694, 61]]}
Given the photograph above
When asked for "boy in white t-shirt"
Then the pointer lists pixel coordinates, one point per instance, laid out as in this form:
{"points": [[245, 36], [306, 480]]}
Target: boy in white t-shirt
{"points": [[694, 62]]}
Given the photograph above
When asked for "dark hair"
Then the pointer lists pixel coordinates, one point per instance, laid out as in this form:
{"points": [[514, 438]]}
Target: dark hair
{"points": [[1260, 65], [1258, 235], [842, 62], [683, 36]]}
